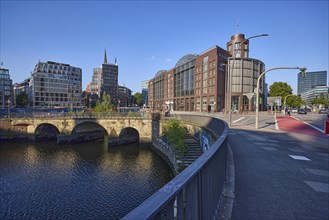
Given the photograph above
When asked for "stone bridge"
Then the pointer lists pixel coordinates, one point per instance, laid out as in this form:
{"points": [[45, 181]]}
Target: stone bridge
{"points": [[113, 127]]}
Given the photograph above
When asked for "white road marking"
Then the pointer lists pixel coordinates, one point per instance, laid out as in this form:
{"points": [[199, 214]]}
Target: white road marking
{"points": [[238, 120], [318, 172], [246, 120], [299, 157], [316, 128], [319, 187]]}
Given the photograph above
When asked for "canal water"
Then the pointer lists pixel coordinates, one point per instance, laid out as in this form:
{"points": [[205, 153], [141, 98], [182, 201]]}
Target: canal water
{"points": [[79, 181]]}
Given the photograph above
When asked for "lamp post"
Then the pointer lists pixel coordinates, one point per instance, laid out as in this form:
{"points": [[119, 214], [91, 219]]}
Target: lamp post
{"points": [[285, 99], [8, 108], [230, 76], [257, 88]]}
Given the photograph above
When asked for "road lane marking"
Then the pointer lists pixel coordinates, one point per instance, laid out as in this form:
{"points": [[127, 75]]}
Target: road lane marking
{"points": [[269, 148], [246, 120], [318, 172], [299, 157], [238, 120], [316, 128], [319, 187]]}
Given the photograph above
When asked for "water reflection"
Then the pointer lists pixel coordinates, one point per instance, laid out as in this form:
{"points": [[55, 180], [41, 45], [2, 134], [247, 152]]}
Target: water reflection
{"points": [[85, 180]]}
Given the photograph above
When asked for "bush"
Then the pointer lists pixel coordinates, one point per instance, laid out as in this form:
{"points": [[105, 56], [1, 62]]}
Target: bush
{"points": [[175, 133]]}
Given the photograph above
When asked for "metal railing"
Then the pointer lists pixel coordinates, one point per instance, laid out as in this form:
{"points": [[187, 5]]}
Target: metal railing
{"points": [[77, 115], [195, 192]]}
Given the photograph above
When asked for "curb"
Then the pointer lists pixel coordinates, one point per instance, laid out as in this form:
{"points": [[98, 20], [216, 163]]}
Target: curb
{"points": [[225, 207]]}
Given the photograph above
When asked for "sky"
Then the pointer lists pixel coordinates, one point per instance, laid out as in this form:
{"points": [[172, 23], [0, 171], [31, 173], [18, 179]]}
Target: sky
{"points": [[148, 36]]}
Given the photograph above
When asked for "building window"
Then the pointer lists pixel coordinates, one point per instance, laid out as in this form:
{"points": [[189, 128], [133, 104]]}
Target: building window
{"points": [[237, 45]]}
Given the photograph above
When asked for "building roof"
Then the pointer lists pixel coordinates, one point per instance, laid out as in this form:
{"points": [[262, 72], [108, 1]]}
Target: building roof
{"points": [[185, 59], [160, 73]]}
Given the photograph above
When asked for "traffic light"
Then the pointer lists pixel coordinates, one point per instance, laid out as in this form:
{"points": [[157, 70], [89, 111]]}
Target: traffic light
{"points": [[303, 72]]}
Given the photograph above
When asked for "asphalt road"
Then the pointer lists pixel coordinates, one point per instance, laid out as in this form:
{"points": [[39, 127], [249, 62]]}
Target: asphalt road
{"points": [[279, 176]]}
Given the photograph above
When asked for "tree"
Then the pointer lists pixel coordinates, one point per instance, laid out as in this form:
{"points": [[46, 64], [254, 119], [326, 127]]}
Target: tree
{"points": [[105, 105], [294, 101], [138, 98], [321, 100], [175, 133], [22, 99], [280, 89]]}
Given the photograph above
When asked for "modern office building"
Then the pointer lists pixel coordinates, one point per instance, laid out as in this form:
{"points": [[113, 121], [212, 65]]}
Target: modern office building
{"points": [[55, 85], [105, 79], [6, 96], [145, 92], [316, 91], [200, 82], [242, 75], [124, 96], [310, 80], [21, 87]]}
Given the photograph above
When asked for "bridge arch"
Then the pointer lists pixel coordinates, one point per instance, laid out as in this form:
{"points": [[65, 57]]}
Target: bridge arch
{"points": [[89, 130], [130, 132], [46, 131]]}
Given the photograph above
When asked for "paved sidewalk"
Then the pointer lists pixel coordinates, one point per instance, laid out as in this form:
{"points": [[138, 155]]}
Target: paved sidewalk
{"points": [[280, 174]]}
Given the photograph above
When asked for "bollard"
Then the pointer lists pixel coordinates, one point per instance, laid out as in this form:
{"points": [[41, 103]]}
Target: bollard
{"points": [[326, 126]]}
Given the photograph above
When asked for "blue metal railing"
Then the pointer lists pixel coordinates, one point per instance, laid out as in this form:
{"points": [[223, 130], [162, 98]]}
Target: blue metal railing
{"points": [[195, 192]]}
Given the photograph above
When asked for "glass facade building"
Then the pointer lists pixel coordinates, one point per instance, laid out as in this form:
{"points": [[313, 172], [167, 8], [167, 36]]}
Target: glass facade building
{"points": [[145, 84], [316, 91], [55, 85], [6, 99], [310, 80]]}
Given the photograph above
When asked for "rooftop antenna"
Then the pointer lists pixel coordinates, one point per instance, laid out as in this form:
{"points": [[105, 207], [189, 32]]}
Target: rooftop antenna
{"points": [[237, 26]]}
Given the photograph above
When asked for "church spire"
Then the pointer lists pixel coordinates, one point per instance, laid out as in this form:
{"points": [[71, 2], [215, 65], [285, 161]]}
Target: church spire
{"points": [[105, 58]]}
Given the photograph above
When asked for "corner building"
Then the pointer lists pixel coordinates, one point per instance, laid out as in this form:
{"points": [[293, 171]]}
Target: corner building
{"points": [[55, 85], [242, 74], [200, 82]]}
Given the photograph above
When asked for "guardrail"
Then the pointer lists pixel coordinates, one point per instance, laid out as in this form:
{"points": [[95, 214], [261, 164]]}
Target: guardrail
{"points": [[194, 193], [77, 115]]}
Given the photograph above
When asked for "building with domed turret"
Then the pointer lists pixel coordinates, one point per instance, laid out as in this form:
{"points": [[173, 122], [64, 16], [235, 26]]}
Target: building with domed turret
{"points": [[200, 82]]}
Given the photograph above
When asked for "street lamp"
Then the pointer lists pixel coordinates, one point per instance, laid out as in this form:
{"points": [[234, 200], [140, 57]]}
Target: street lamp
{"points": [[285, 99], [8, 108], [257, 88], [230, 76]]}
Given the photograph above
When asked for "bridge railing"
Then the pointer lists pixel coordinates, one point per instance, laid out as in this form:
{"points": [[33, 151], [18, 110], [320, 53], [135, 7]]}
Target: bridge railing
{"points": [[195, 192], [77, 115]]}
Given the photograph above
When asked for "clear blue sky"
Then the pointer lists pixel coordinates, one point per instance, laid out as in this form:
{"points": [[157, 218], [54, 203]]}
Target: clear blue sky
{"points": [[147, 36]]}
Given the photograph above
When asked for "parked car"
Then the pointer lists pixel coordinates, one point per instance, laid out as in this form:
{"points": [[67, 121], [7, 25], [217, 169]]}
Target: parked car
{"points": [[308, 109], [294, 110], [323, 111], [302, 111]]}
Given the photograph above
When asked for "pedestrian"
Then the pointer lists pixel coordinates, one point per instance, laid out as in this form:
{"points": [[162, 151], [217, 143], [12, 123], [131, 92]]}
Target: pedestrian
{"points": [[289, 112]]}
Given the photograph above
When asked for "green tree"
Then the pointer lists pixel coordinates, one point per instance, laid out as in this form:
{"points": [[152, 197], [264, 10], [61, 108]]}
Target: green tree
{"points": [[175, 133], [280, 89], [294, 101], [138, 98], [105, 105], [321, 100], [22, 99]]}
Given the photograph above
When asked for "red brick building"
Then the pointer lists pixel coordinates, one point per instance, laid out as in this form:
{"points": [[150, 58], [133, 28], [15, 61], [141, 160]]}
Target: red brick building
{"points": [[199, 82]]}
